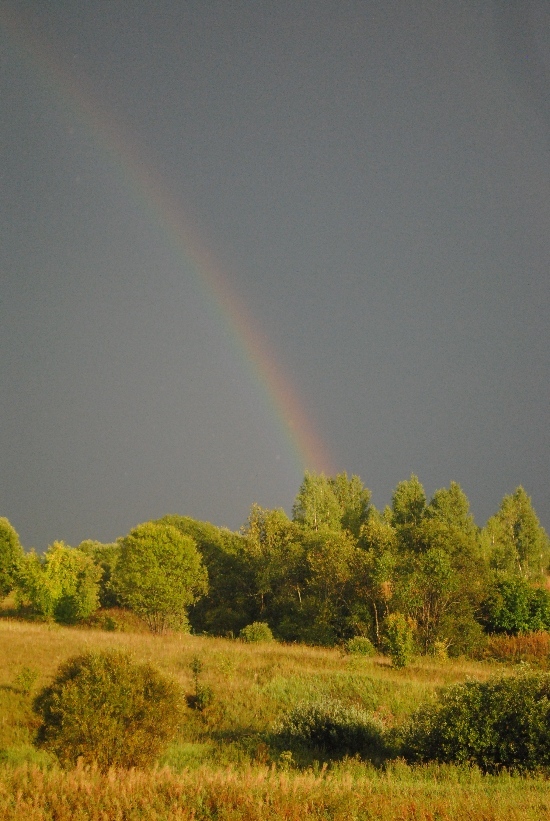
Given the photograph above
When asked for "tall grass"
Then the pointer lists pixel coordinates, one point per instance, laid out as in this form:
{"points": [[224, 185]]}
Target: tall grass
{"points": [[261, 794]]}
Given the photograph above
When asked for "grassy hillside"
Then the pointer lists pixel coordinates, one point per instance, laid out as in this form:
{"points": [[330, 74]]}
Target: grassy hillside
{"points": [[225, 764]]}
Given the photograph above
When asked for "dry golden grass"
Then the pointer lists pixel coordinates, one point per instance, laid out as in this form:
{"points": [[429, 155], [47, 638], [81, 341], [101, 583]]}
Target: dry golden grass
{"points": [[532, 648], [259, 794]]}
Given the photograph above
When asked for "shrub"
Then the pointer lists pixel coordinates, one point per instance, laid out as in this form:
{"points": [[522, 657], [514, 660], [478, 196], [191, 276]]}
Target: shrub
{"points": [[360, 646], [255, 632], [503, 722], [203, 695], [104, 708], [398, 639], [334, 727]]}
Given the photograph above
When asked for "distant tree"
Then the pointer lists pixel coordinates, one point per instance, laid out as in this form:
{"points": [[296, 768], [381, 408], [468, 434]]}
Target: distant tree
{"points": [[518, 543], [231, 600], [515, 606], [428, 593], [316, 506], [62, 585], [408, 511], [258, 631], [159, 574], [354, 500], [11, 555], [303, 575], [398, 639], [275, 553], [377, 564], [451, 507], [105, 557], [331, 503], [330, 563]]}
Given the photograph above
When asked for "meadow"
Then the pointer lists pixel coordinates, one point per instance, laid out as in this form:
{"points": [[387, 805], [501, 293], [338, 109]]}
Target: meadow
{"points": [[226, 763]]}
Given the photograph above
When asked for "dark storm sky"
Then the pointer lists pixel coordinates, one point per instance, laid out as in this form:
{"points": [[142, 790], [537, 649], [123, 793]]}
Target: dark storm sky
{"points": [[372, 180]]}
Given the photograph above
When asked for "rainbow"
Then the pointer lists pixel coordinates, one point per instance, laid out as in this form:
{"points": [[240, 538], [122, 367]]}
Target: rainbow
{"points": [[140, 178]]}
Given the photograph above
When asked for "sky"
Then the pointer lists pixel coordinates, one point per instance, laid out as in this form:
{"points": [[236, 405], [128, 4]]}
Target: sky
{"points": [[239, 240]]}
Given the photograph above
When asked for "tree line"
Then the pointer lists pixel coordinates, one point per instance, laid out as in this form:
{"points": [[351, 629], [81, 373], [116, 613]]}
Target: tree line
{"points": [[337, 568]]}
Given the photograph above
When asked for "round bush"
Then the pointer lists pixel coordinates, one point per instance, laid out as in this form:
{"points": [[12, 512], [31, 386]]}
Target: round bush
{"points": [[503, 722], [360, 646], [333, 727], [103, 708], [257, 631]]}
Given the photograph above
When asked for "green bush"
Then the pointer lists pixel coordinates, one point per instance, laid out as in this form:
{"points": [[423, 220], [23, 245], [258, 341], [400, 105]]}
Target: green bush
{"points": [[106, 709], [398, 639], [360, 646], [503, 722], [257, 631], [333, 727], [514, 606]]}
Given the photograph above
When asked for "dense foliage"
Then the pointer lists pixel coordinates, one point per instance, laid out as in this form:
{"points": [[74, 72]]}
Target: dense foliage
{"points": [[158, 574], [11, 555], [417, 577], [504, 722], [62, 585], [107, 710]]}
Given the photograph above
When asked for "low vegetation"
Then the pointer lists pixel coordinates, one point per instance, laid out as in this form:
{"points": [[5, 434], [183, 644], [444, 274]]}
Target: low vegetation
{"points": [[287, 731], [336, 728]]}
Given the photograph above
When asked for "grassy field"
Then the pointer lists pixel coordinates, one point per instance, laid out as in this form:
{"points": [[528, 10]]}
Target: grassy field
{"points": [[225, 764]]}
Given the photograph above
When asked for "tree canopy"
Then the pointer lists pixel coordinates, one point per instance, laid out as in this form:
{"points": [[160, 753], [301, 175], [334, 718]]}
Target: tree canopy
{"points": [[159, 574], [11, 555]]}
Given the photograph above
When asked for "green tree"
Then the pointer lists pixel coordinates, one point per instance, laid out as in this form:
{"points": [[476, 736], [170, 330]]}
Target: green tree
{"points": [[11, 555], [230, 602], [354, 500], [398, 639], [105, 557], [330, 562], [429, 592], [408, 511], [277, 557], [515, 606], [62, 585], [331, 503], [159, 574], [317, 506], [451, 507], [518, 543], [376, 566]]}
